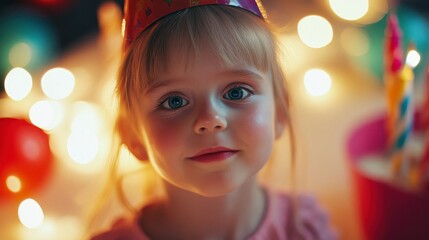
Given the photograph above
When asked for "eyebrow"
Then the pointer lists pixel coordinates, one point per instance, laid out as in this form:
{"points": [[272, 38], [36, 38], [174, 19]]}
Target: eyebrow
{"points": [[244, 73]]}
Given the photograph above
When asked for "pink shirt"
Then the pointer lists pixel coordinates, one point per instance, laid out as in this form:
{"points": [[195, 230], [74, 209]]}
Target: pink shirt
{"points": [[276, 225]]}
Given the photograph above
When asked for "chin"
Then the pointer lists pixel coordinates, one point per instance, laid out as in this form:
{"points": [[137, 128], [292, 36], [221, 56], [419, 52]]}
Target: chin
{"points": [[213, 193], [217, 189]]}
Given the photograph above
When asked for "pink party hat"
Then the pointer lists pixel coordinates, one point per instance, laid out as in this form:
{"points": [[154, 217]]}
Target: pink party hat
{"points": [[140, 14]]}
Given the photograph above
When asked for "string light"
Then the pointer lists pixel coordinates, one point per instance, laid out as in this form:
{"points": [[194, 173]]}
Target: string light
{"points": [[124, 23], [354, 41], [58, 83], [54, 228], [82, 147], [349, 10], [46, 114], [315, 31], [18, 83], [20, 55], [413, 58], [317, 82], [13, 183], [30, 213], [86, 118]]}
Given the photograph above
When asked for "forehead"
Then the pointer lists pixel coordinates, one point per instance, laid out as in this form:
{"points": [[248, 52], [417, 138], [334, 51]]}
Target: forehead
{"points": [[183, 55], [202, 67], [183, 59], [180, 47]]}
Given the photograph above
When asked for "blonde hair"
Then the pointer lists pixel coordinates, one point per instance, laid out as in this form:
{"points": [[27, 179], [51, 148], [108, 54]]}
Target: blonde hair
{"points": [[234, 34]]}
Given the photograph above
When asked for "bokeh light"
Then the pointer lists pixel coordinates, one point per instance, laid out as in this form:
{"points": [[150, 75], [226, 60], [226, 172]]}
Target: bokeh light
{"points": [[13, 183], [354, 41], [376, 11], [86, 118], [412, 25], [350, 9], [317, 82], [46, 114], [27, 39], [30, 213], [20, 55], [82, 146], [58, 83], [413, 58], [315, 31], [124, 23], [18, 83], [54, 228]]}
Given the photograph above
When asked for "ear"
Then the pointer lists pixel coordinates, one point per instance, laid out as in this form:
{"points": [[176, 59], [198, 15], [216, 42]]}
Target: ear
{"points": [[130, 138], [138, 150]]}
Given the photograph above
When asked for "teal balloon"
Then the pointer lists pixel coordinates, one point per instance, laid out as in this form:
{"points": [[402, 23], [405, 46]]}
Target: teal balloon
{"points": [[414, 27], [22, 25]]}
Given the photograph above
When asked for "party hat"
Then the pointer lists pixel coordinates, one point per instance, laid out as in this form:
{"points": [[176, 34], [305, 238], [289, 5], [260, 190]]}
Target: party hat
{"points": [[140, 14]]}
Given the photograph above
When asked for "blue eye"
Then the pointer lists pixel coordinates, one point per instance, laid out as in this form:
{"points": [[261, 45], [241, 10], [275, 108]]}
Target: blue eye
{"points": [[236, 93], [174, 102]]}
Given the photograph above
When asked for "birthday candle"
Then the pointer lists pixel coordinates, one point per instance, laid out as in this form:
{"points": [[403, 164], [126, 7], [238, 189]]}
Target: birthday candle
{"points": [[398, 79], [393, 61], [402, 124]]}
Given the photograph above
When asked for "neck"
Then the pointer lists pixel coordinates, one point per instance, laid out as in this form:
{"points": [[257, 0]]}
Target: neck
{"points": [[232, 216]]}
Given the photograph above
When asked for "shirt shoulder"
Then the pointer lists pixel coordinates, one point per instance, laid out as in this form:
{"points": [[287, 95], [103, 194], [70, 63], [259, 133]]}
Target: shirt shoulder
{"points": [[290, 218], [285, 218], [124, 228]]}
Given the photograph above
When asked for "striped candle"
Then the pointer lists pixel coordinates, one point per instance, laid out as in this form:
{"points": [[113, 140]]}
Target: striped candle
{"points": [[402, 123], [398, 80], [393, 61]]}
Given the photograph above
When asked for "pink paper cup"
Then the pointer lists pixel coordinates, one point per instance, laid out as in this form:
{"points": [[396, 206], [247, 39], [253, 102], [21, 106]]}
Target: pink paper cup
{"points": [[385, 211]]}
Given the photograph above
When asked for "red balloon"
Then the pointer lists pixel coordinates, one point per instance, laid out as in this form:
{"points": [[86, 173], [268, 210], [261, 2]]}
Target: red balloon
{"points": [[24, 153]]}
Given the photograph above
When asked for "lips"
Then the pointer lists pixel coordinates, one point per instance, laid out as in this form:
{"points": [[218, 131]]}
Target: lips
{"points": [[213, 154]]}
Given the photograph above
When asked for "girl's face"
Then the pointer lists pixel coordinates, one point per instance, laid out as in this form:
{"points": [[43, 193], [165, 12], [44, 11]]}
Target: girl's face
{"points": [[208, 128]]}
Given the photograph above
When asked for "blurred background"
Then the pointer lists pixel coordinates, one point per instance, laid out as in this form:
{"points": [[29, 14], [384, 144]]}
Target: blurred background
{"points": [[58, 61]]}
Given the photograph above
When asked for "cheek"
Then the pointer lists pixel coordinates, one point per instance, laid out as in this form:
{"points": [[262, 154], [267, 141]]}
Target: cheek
{"points": [[256, 133], [164, 136], [258, 121]]}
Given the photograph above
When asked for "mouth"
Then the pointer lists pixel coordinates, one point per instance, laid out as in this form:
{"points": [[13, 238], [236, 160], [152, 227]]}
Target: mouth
{"points": [[213, 155]]}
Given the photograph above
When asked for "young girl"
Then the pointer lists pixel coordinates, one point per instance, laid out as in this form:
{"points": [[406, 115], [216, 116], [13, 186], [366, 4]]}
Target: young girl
{"points": [[202, 99]]}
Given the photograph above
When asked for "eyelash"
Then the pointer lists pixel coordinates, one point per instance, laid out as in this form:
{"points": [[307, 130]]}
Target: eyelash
{"points": [[239, 86], [165, 99], [162, 101]]}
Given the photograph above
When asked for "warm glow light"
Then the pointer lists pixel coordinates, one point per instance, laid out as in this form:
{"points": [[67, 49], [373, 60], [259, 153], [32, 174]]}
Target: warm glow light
{"points": [[376, 11], [354, 41], [413, 58], [82, 147], [58, 83], [13, 183], [20, 55], [46, 114], [124, 23], [18, 83], [30, 213], [317, 82], [315, 31], [350, 9], [86, 118], [54, 228]]}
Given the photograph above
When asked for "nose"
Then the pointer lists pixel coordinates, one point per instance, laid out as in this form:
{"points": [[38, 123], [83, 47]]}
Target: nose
{"points": [[210, 118]]}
